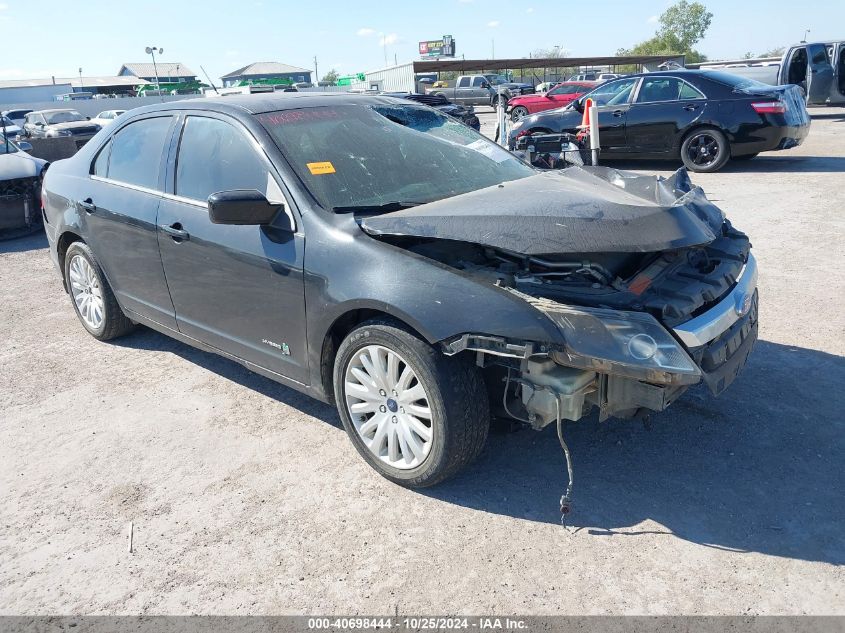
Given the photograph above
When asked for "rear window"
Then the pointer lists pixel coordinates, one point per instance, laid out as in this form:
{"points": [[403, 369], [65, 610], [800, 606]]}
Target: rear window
{"points": [[735, 81]]}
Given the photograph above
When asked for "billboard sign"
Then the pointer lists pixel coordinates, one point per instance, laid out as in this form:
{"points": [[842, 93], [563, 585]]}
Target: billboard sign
{"points": [[444, 47]]}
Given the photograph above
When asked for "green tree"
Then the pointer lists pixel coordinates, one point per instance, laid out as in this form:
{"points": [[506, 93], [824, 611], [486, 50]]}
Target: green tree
{"points": [[774, 52], [331, 77], [687, 22], [682, 25]]}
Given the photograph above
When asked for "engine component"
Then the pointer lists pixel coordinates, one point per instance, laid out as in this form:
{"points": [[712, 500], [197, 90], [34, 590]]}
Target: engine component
{"points": [[550, 391]]}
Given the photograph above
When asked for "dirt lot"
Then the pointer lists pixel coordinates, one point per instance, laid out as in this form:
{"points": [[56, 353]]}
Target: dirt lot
{"points": [[246, 497]]}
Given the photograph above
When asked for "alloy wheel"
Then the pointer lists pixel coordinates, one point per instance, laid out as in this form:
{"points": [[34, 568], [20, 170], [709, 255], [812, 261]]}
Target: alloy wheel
{"points": [[86, 292], [703, 149], [389, 407]]}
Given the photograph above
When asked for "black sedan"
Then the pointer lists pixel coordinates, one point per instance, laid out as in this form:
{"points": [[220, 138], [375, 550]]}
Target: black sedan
{"points": [[702, 118], [379, 255]]}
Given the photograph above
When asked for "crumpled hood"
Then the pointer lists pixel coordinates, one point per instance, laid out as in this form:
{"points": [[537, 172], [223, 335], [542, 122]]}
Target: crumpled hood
{"points": [[20, 165], [576, 210]]}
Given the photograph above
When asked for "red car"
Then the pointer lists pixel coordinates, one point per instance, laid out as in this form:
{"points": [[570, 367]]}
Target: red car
{"points": [[557, 97]]}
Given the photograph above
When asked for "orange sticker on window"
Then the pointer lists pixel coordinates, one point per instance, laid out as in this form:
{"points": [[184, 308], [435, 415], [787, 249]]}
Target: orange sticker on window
{"points": [[318, 169]]}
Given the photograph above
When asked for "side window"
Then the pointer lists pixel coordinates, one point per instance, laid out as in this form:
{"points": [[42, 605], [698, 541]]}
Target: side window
{"points": [[659, 89], [216, 156], [689, 92], [478, 81], [137, 150], [820, 56], [463, 82], [614, 92], [101, 164]]}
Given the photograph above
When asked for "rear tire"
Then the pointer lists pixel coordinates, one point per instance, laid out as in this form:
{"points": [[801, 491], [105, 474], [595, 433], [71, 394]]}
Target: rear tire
{"points": [[418, 431], [92, 297], [705, 150]]}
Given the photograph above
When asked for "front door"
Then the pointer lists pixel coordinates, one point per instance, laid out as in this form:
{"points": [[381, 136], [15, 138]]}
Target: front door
{"points": [[119, 205], [819, 74], [663, 108], [237, 288], [613, 101]]}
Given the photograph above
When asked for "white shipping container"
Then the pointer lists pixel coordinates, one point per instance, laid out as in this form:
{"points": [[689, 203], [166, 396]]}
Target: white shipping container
{"points": [[392, 79]]}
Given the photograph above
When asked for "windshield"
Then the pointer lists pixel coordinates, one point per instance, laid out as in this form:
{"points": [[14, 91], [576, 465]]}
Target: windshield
{"points": [[495, 80], [353, 157], [4, 120], [63, 116]]}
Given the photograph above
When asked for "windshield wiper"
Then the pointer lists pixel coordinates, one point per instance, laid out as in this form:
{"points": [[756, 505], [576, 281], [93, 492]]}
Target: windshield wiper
{"points": [[387, 207]]}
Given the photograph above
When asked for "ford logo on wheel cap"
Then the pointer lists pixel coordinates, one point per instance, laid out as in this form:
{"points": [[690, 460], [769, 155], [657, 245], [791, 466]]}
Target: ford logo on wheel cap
{"points": [[743, 304]]}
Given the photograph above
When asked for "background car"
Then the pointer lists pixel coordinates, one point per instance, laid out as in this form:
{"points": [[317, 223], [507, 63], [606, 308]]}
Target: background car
{"points": [[9, 127], [20, 189], [464, 114], [562, 94], [703, 118], [17, 116], [57, 123], [106, 117]]}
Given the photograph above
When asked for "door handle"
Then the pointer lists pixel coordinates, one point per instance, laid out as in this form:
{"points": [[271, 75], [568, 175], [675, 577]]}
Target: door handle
{"points": [[690, 107], [618, 113], [88, 205], [175, 231]]}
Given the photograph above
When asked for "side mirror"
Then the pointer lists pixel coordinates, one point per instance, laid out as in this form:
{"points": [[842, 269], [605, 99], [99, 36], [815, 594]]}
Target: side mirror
{"points": [[88, 118], [243, 207], [578, 104], [485, 84], [25, 146], [39, 124]]}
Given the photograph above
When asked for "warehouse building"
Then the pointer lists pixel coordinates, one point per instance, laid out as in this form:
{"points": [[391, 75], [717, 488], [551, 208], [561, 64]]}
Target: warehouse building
{"points": [[266, 72], [56, 88], [168, 72]]}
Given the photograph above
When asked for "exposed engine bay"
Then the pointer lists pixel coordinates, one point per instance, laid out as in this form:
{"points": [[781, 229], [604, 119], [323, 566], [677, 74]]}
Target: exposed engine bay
{"points": [[656, 292]]}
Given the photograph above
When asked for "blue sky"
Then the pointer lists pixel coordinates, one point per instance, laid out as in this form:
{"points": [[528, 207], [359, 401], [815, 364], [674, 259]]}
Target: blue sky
{"points": [[348, 35]]}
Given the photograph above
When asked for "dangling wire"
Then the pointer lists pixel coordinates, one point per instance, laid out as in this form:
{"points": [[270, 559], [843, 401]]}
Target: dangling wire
{"points": [[566, 499]]}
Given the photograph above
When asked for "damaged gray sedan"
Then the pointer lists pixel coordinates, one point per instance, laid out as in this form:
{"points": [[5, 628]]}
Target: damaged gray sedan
{"points": [[376, 254]]}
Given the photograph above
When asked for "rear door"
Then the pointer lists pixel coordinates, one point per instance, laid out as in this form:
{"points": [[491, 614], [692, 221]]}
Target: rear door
{"points": [[819, 74], [237, 288], [663, 108], [119, 211], [463, 90]]}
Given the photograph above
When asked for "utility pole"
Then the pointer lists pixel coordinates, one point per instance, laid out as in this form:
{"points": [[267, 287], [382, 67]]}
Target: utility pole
{"points": [[81, 86], [493, 49], [316, 73]]}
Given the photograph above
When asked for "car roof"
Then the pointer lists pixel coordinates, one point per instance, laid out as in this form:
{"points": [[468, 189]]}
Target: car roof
{"points": [[271, 102]]}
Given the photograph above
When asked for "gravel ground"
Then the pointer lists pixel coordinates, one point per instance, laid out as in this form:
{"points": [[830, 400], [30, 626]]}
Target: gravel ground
{"points": [[246, 497]]}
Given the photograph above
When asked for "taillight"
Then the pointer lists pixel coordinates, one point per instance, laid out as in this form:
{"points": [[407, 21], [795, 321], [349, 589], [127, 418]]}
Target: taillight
{"points": [[769, 107], [522, 133]]}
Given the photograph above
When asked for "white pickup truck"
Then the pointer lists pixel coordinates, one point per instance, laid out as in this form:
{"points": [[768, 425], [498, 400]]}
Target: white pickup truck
{"points": [[818, 68]]}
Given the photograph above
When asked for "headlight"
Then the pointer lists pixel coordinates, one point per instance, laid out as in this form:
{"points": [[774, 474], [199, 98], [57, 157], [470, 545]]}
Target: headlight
{"points": [[630, 344]]}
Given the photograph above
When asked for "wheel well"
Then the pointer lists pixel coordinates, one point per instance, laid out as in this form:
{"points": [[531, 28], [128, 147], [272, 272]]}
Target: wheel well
{"points": [[342, 326], [67, 238], [697, 128]]}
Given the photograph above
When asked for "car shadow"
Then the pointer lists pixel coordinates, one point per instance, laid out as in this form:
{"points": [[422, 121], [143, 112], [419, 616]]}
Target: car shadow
{"points": [[757, 470], [31, 242], [150, 340]]}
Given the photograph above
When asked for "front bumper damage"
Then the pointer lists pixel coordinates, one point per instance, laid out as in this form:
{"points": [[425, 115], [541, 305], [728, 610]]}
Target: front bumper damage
{"points": [[711, 347]]}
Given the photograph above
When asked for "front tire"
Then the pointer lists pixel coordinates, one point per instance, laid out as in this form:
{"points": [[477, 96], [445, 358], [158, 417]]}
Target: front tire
{"points": [[416, 416], [705, 150], [92, 297], [518, 112]]}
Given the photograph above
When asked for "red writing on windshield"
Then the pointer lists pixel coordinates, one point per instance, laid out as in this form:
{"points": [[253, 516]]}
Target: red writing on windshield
{"points": [[298, 116]]}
